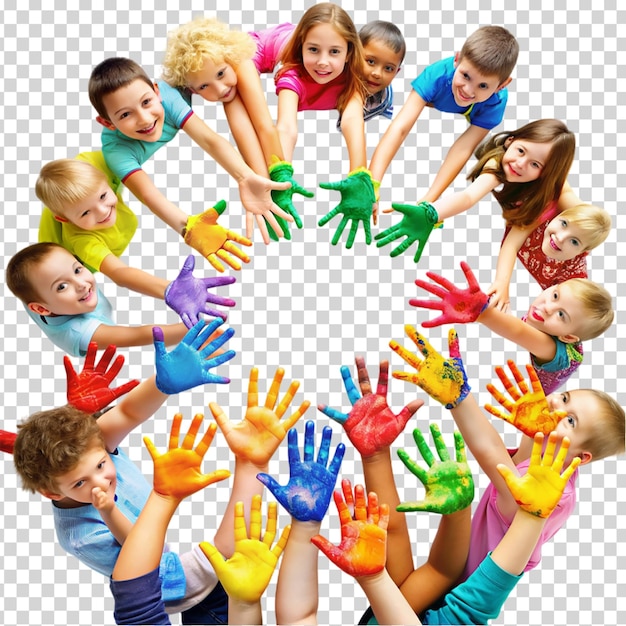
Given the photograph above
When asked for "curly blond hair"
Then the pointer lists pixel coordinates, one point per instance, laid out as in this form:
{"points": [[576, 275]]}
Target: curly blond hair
{"points": [[189, 45]]}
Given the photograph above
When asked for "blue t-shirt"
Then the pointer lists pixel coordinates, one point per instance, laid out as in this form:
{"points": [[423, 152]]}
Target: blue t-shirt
{"points": [[434, 86], [124, 155]]}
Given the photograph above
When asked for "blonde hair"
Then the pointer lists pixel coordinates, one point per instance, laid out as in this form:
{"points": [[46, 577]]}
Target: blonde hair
{"points": [[597, 306], [593, 220], [492, 50], [189, 45], [523, 203], [328, 13], [66, 182], [608, 433]]}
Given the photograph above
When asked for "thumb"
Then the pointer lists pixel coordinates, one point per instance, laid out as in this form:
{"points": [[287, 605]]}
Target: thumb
{"points": [[188, 266], [220, 206], [70, 372]]}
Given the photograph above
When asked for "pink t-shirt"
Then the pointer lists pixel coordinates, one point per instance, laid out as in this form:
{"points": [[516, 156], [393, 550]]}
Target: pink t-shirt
{"points": [[546, 271], [489, 526], [269, 45], [311, 95]]}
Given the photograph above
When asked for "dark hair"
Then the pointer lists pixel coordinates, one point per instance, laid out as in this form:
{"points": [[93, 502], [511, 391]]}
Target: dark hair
{"points": [[492, 50], [388, 33]]}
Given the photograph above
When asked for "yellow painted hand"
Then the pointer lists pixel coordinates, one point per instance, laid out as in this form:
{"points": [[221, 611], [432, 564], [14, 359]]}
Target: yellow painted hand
{"points": [[177, 472], [540, 489], [260, 432], [528, 409], [247, 573]]}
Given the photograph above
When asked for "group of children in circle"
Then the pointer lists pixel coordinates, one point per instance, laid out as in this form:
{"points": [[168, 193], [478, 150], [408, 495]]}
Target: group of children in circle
{"points": [[323, 63]]}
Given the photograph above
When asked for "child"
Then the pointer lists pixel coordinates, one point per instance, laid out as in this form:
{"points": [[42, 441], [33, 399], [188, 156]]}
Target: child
{"points": [[87, 217], [530, 163], [559, 319], [473, 83], [138, 118], [593, 422], [223, 65], [97, 492], [61, 297]]}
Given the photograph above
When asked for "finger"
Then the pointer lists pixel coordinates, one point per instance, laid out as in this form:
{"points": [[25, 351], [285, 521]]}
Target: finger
{"points": [[255, 518], [249, 224], [125, 388], [339, 231], [403, 247], [332, 552], [360, 504], [214, 261], [231, 248], [231, 235], [420, 249], [90, 357], [277, 550], [354, 226], [175, 431], [214, 477], [406, 355], [459, 446], [329, 216], [343, 509], [440, 444], [217, 561], [253, 388], [287, 398], [334, 414], [225, 256], [507, 417], [508, 384], [387, 236], [105, 360], [373, 510], [263, 228], [240, 530], [70, 372], [363, 376], [220, 418], [324, 451], [332, 185], [207, 438], [383, 379], [272, 394], [469, 275], [114, 370], [157, 338], [348, 495], [499, 397], [271, 525], [302, 409], [422, 446], [535, 383], [154, 453], [335, 464], [453, 344], [519, 379], [412, 466], [422, 344], [353, 393], [309, 441], [270, 483]]}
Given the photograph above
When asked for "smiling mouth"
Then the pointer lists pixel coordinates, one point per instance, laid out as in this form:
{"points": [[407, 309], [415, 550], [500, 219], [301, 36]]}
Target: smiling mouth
{"points": [[514, 172], [107, 218], [536, 315], [147, 131], [87, 296], [553, 245]]}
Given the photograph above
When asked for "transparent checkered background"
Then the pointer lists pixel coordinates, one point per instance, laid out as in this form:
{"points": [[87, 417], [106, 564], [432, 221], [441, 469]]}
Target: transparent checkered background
{"points": [[306, 305]]}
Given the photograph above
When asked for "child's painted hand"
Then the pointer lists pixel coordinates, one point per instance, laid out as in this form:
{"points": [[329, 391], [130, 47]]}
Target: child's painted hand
{"points": [[260, 432], [357, 201], [282, 171], [247, 573], [529, 411], [449, 484], [7, 441], [442, 379], [177, 472], [256, 193], [540, 489], [189, 296], [363, 547], [189, 364], [90, 389], [214, 242], [456, 305], [307, 494], [371, 425], [416, 225]]}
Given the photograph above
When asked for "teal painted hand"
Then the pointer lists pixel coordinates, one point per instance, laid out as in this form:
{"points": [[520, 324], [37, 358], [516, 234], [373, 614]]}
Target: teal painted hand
{"points": [[416, 225], [449, 484], [357, 202]]}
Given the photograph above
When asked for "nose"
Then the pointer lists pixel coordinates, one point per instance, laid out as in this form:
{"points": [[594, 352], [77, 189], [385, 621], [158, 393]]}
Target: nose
{"points": [[376, 71]]}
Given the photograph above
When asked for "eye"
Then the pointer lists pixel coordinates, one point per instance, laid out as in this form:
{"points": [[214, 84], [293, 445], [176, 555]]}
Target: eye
{"points": [[483, 86], [390, 68], [79, 484], [146, 102], [466, 76], [520, 151], [535, 165], [61, 286], [561, 314], [123, 115], [202, 87], [370, 61], [221, 73], [571, 421], [86, 212], [104, 195], [575, 242], [312, 49], [564, 398], [101, 465], [335, 51], [564, 223], [78, 269]]}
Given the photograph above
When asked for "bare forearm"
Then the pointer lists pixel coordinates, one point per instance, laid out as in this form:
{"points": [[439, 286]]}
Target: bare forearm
{"points": [[119, 525], [128, 336], [240, 612], [386, 600], [516, 547], [139, 281]]}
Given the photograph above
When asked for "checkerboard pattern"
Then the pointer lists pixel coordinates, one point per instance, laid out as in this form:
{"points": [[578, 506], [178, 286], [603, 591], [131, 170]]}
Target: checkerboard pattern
{"points": [[306, 305]]}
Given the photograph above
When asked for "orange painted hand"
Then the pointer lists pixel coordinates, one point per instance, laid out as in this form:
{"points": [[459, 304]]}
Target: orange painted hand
{"points": [[529, 411], [214, 242], [260, 432], [363, 547], [177, 472], [540, 489], [442, 379], [247, 573]]}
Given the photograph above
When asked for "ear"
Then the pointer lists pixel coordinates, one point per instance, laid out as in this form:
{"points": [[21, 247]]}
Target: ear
{"points": [[508, 141], [40, 309], [156, 89], [58, 218], [456, 59], [585, 457], [105, 123], [51, 495], [504, 84], [569, 338]]}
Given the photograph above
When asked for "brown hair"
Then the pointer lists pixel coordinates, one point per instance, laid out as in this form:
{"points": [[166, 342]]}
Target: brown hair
{"points": [[109, 76], [607, 437], [51, 443], [328, 13], [385, 32], [19, 274], [492, 50], [523, 203]]}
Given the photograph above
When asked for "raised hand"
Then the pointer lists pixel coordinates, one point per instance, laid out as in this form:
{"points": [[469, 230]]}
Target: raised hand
{"points": [[177, 472], [7, 441], [456, 305], [540, 489], [189, 296], [416, 225], [260, 432], [528, 411], [371, 425], [357, 201], [189, 364], [311, 483], [90, 389], [449, 484], [282, 171], [214, 242], [247, 573], [442, 379], [363, 547]]}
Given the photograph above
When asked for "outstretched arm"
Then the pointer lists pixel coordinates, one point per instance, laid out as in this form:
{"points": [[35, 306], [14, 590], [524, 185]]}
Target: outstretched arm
{"points": [[353, 130], [287, 121]]}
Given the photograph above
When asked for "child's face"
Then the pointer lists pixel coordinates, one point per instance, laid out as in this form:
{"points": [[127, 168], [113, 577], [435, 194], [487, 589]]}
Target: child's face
{"points": [[582, 407], [64, 285], [381, 65], [469, 86], [95, 469], [523, 161], [324, 53], [136, 111], [215, 82], [95, 212], [563, 240], [556, 312]]}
